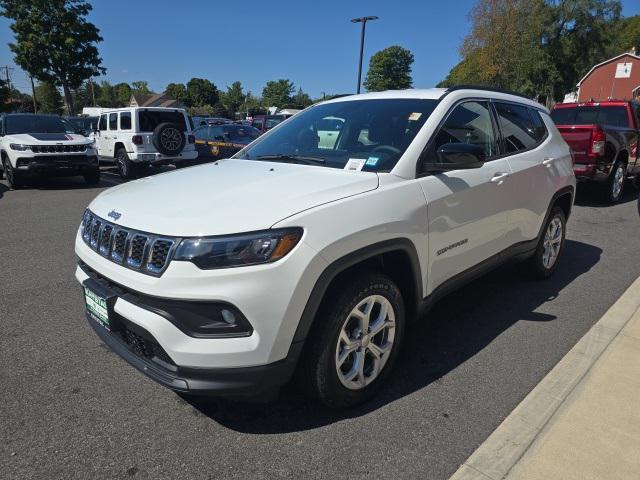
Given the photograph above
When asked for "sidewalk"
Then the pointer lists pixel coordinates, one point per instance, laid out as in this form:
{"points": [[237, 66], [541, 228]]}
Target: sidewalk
{"points": [[582, 421]]}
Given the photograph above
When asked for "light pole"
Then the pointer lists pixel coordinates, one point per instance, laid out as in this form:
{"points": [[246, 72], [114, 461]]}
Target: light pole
{"points": [[364, 21]]}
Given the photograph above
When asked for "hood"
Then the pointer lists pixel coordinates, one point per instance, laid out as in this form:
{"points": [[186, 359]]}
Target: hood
{"points": [[226, 197], [46, 138]]}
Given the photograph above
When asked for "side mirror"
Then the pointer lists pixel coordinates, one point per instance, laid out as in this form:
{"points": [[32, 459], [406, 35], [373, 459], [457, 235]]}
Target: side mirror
{"points": [[456, 156]]}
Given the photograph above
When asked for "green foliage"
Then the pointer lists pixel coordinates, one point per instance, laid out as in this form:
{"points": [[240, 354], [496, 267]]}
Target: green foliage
{"points": [[233, 99], [277, 93], [389, 69], [253, 105], [54, 42], [49, 98], [105, 95], [219, 110], [82, 97], [140, 87], [301, 99], [122, 91], [201, 92], [628, 35], [4, 96], [538, 47], [177, 91]]}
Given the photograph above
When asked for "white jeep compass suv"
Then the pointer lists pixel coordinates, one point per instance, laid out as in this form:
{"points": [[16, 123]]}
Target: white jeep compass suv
{"points": [[135, 138], [308, 257]]}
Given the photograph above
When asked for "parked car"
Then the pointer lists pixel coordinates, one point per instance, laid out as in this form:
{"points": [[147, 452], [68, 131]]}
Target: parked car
{"points": [[214, 142], [265, 123], [84, 125], [44, 146], [293, 257], [603, 137], [135, 138]]}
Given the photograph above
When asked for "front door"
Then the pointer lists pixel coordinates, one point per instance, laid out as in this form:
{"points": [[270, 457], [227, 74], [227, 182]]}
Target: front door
{"points": [[467, 209]]}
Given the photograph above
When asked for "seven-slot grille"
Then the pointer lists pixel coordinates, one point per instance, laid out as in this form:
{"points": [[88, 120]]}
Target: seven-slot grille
{"points": [[58, 148], [139, 251]]}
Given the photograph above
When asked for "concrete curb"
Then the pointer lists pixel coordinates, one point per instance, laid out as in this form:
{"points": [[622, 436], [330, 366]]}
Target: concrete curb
{"points": [[505, 447]]}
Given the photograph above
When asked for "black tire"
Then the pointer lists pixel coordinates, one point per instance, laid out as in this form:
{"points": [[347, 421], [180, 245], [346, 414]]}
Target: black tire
{"points": [[537, 266], [613, 194], [13, 178], [92, 177], [126, 168], [317, 372], [168, 138]]}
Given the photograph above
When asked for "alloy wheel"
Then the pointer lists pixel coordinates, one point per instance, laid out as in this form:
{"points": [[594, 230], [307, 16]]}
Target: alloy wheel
{"points": [[552, 243], [365, 342], [618, 182], [170, 138]]}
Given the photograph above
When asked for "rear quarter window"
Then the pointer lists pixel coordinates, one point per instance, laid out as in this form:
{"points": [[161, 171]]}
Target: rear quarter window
{"points": [[148, 120]]}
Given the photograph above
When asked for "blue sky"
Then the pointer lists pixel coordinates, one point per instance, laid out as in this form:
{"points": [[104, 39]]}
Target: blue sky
{"points": [[311, 43]]}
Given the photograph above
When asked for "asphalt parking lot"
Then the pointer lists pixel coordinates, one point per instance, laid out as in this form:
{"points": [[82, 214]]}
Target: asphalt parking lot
{"points": [[70, 408]]}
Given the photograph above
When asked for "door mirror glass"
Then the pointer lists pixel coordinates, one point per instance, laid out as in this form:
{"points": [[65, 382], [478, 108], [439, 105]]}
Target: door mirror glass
{"points": [[456, 156]]}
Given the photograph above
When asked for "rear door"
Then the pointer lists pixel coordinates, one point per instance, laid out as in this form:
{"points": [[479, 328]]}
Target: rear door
{"points": [[102, 137], [467, 209]]}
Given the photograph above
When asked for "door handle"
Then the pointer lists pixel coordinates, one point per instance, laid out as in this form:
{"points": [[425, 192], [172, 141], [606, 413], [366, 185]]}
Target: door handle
{"points": [[499, 177], [548, 161]]}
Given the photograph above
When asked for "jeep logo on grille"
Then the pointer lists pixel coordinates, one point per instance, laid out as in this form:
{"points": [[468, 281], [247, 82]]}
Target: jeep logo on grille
{"points": [[115, 215]]}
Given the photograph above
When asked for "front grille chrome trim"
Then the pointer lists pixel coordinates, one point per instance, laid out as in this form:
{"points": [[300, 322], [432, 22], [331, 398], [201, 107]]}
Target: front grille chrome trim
{"points": [[140, 251]]}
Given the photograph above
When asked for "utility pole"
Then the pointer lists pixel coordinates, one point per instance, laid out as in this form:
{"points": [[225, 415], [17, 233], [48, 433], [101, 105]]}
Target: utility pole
{"points": [[364, 21], [93, 94], [33, 95], [7, 76]]}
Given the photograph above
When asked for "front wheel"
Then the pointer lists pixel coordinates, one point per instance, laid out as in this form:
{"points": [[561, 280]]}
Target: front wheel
{"points": [[615, 183], [354, 342], [125, 166], [545, 260], [13, 178]]}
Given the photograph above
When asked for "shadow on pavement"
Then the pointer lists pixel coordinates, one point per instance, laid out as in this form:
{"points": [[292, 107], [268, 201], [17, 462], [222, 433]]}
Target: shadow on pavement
{"points": [[456, 329], [592, 195], [3, 189]]}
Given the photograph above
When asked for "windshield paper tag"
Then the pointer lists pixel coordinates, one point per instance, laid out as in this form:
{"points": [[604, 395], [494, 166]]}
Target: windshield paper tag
{"points": [[372, 161], [415, 116], [355, 164]]}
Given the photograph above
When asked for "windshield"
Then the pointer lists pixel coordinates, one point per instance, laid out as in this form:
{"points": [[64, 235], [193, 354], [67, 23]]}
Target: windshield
{"points": [[373, 132], [15, 124], [150, 119], [273, 121], [240, 133], [601, 115]]}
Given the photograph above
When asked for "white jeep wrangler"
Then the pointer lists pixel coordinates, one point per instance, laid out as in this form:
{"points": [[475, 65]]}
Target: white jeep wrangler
{"points": [[138, 137]]}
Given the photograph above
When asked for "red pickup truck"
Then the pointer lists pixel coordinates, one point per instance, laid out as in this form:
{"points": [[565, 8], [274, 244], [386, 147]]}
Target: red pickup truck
{"points": [[603, 137]]}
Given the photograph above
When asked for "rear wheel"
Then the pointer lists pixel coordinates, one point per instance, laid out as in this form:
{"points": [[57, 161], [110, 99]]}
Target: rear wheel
{"points": [[125, 166], [545, 260], [13, 178], [354, 343], [615, 183]]}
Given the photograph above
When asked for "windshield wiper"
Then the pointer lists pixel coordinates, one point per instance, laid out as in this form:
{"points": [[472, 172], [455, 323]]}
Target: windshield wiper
{"points": [[292, 159]]}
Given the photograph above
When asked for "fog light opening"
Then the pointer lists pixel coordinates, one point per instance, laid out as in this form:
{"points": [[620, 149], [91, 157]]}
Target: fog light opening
{"points": [[228, 316]]}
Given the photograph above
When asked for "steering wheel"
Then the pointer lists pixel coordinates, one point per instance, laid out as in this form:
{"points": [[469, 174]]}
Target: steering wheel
{"points": [[386, 148]]}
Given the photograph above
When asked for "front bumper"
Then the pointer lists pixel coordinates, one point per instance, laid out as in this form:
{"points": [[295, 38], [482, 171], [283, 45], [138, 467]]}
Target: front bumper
{"points": [[57, 165], [154, 158]]}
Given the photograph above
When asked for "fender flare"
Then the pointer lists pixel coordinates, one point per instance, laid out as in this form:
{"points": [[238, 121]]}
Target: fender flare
{"points": [[351, 259]]}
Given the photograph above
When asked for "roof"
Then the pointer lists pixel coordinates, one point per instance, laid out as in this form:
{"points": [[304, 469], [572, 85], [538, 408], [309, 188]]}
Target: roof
{"points": [[626, 54], [154, 100]]}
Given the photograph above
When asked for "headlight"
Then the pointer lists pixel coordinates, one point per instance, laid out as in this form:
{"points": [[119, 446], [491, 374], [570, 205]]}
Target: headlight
{"points": [[19, 147], [238, 250]]}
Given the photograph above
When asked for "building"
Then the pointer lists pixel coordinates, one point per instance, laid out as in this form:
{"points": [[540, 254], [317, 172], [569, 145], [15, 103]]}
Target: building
{"points": [[154, 100], [616, 78]]}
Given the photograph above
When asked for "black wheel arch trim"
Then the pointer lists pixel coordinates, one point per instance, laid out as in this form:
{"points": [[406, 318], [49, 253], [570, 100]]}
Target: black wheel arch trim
{"points": [[354, 258]]}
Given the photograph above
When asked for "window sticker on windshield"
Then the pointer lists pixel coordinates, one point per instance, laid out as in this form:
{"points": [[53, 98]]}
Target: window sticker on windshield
{"points": [[372, 161], [415, 116], [355, 164]]}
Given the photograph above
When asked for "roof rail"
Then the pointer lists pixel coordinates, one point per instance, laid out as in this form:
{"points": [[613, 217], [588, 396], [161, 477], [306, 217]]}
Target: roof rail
{"points": [[485, 88]]}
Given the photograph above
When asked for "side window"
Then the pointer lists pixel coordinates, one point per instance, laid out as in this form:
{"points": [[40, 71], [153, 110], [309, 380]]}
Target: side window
{"points": [[257, 124], [539, 128], [217, 134], [470, 123], [102, 125], [113, 121], [201, 132], [518, 130], [125, 120]]}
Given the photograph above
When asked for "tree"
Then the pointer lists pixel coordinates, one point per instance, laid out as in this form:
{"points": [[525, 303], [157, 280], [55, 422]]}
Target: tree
{"points": [[105, 95], [49, 98], [628, 35], [233, 98], [82, 96], [177, 91], [201, 92], [301, 99], [140, 87], [253, 105], [54, 42], [389, 69], [122, 93], [277, 93], [5, 94], [219, 110]]}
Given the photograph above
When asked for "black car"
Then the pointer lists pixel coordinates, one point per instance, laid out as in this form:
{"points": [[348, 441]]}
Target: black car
{"points": [[83, 125], [214, 142]]}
